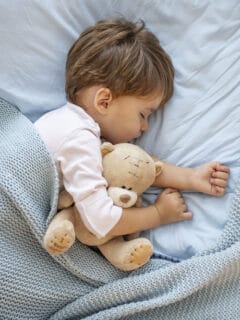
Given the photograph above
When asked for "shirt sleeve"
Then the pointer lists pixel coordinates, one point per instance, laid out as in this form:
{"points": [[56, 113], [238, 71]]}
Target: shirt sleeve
{"points": [[80, 161]]}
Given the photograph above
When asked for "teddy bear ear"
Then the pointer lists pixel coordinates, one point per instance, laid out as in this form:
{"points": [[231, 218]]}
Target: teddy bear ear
{"points": [[106, 147], [158, 167]]}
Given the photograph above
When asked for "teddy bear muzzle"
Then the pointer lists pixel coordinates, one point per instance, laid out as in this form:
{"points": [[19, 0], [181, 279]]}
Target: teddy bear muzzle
{"points": [[122, 197]]}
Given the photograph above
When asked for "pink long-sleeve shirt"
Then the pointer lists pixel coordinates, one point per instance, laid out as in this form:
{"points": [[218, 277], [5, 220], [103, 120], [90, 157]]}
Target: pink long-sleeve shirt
{"points": [[73, 139]]}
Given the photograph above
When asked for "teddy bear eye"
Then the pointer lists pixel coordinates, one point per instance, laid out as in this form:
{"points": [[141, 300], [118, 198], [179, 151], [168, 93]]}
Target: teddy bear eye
{"points": [[124, 187]]}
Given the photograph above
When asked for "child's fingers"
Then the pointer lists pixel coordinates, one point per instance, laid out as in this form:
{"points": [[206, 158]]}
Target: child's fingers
{"points": [[220, 175], [186, 215], [218, 182], [181, 199], [218, 191], [170, 190], [221, 167]]}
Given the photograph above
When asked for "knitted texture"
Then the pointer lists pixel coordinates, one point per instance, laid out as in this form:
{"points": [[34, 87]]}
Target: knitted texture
{"points": [[81, 284]]}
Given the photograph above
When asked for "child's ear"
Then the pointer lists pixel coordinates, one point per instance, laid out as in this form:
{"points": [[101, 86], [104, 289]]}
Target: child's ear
{"points": [[103, 97]]}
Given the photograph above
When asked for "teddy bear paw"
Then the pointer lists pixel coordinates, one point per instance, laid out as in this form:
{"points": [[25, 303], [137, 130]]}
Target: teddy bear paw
{"points": [[60, 238], [140, 255], [134, 254]]}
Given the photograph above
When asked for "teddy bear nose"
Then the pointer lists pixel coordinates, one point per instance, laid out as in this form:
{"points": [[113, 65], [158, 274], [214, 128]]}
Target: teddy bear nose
{"points": [[125, 198]]}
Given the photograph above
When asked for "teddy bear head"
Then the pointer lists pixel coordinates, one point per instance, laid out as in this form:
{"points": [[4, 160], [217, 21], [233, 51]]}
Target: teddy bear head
{"points": [[129, 171]]}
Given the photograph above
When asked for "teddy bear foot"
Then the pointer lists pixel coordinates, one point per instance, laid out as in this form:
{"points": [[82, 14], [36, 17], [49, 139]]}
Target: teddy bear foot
{"points": [[127, 255], [140, 255], [59, 238]]}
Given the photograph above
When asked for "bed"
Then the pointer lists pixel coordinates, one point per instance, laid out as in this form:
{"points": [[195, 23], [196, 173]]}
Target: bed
{"points": [[197, 274]]}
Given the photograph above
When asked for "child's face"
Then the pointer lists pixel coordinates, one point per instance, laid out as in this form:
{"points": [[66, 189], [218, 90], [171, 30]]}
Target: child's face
{"points": [[128, 117]]}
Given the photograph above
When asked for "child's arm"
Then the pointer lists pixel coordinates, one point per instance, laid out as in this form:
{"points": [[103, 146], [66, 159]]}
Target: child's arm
{"points": [[210, 178], [169, 207]]}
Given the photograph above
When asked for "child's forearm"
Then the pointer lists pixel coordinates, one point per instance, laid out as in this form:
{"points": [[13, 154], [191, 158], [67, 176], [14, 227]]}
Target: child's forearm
{"points": [[175, 177], [169, 207], [136, 220]]}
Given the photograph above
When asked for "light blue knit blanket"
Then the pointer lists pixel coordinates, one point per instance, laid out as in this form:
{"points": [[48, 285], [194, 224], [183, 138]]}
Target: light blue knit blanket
{"points": [[81, 284]]}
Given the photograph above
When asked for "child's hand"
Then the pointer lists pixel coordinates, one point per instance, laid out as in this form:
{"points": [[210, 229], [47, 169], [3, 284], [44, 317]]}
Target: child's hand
{"points": [[211, 178], [171, 207]]}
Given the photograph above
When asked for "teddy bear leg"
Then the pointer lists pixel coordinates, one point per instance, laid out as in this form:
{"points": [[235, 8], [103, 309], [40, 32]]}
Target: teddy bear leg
{"points": [[60, 234], [127, 255]]}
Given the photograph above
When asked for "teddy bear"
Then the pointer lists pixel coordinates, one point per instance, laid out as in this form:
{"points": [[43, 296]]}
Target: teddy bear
{"points": [[129, 171]]}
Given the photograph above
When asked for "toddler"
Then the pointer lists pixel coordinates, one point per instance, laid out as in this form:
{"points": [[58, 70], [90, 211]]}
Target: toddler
{"points": [[117, 75]]}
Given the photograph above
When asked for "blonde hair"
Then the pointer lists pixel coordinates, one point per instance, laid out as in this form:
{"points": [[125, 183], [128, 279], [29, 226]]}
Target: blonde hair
{"points": [[121, 55]]}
